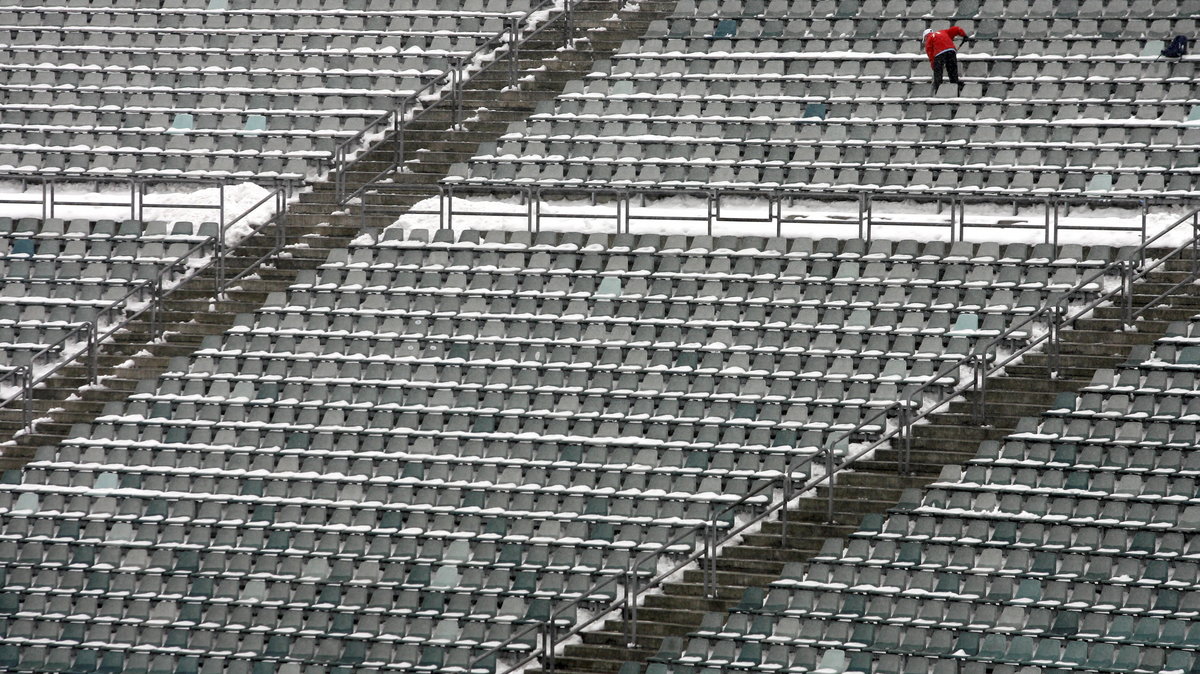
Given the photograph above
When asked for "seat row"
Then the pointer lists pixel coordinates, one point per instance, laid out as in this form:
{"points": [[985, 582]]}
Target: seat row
{"points": [[680, 259], [370, 247], [1039, 455], [1115, 30], [437, 45], [1127, 78], [1046, 550], [349, 464], [252, 23], [924, 8], [1013, 182]]}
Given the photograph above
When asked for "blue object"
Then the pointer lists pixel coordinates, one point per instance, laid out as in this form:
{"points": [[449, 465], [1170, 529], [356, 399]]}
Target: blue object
{"points": [[817, 110], [726, 28]]}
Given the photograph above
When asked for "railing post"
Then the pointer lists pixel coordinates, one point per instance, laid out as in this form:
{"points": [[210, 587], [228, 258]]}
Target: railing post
{"points": [[1046, 201], [955, 226], [905, 428], [712, 197], [623, 209], [281, 200], [1052, 360], [869, 213], [710, 557], [456, 89], [220, 267], [93, 356], [1054, 233], [1127, 291], [829, 483], [1145, 214], [568, 22], [618, 218], [1057, 216], [531, 209], [631, 592], [783, 513], [27, 403], [513, 42], [548, 643], [399, 131], [980, 387], [154, 309], [536, 202], [339, 174], [777, 199], [862, 214], [1195, 243]]}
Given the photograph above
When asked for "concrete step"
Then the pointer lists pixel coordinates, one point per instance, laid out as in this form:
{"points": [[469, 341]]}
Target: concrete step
{"points": [[935, 431], [738, 579], [723, 592], [998, 413], [772, 557], [874, 486], [1034, 380], [1041, 369], [590, 664], [1166, 313], [883, 483], [1078, 340]]}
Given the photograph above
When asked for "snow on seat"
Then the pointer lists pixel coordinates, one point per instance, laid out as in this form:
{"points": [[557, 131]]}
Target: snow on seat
{"points": [[118, 90], [57, 275], [1079, 523], [822, 95], [432, 441]]}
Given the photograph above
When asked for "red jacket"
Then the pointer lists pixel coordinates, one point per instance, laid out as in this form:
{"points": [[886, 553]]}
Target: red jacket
{"points": [[940, 40]]}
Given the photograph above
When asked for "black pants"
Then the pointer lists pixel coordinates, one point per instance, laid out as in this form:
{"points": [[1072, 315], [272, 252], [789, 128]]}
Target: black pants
{"points": [[948, 61]]}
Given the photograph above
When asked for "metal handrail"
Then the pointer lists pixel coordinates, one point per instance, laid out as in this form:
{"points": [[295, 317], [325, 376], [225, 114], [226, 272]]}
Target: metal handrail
{"points": [[1060, 318], [395, 118], [634, 588], [953, 203], [24, 375], [135, 201], [136, 204], [518, 32]]}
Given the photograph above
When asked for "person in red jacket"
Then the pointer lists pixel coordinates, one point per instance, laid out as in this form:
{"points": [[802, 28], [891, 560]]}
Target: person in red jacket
{"points": [[943, 55]]}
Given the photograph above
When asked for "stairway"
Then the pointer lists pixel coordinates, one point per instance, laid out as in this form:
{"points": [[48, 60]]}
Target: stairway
{"points": [[874, 486], [316, 223], [433, 144], [189, 314]]}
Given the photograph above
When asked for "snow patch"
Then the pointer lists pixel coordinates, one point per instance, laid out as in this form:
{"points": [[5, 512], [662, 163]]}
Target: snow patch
{"points": [[746, 216]]}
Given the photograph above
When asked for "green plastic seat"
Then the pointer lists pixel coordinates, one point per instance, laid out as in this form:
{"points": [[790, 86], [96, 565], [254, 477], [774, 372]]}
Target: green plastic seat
{"points": [[183, 121], [725, 29]]}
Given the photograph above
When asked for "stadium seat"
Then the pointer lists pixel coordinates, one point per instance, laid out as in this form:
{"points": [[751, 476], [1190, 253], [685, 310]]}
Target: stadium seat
{"points": [[480, 428], [728, 65], [298, 79], [1062, 545]]}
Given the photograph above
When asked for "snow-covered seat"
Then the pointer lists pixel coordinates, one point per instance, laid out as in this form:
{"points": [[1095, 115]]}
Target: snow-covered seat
{"points": [[1092, 500], [480, 427], [1033, 99], [159, 67]]}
